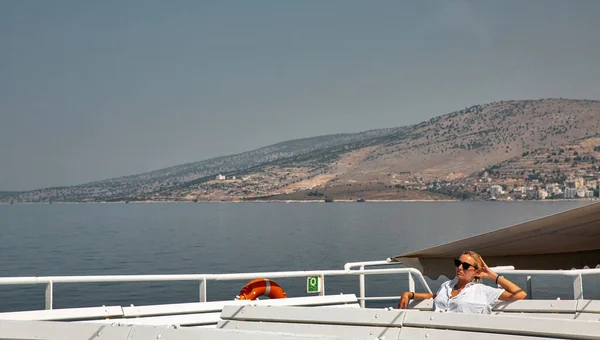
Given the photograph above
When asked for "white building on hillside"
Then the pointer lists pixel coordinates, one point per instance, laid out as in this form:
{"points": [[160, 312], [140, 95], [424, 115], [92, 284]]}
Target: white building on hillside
{"points": [[496, 190], [220, 177], [556, 191], [570, 193]]}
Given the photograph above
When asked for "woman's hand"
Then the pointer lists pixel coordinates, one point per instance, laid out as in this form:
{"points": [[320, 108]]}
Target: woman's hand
{"points": [[487, 273], [403, 303]]}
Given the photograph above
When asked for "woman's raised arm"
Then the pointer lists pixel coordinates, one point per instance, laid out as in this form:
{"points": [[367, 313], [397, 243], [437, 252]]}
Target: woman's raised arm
{"points": [[511, 290]]}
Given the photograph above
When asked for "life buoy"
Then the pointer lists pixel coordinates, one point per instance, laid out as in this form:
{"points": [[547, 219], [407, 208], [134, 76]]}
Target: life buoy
{"points": [[258, 287]]}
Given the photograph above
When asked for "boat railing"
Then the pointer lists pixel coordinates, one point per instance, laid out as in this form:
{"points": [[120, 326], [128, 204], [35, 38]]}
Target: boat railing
{"points": [[360, 269], [203, 279], [576, 276]]}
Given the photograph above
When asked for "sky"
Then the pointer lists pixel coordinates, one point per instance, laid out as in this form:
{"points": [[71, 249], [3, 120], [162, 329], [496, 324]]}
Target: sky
{"points": [[91, 90]]}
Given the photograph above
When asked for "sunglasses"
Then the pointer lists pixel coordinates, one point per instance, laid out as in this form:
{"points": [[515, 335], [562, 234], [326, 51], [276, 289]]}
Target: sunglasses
{"points": [[464, 265]]}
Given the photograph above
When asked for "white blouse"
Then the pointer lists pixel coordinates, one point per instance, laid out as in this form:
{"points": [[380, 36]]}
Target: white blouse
{"points": [[475, 298]]}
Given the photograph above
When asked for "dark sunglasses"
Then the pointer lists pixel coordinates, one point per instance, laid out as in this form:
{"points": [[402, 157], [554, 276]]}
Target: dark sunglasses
{"points": [[464, 265]]}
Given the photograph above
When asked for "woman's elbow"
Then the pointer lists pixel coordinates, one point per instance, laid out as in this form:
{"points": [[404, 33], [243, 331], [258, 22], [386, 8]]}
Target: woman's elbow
{"points": [[521, 295]]}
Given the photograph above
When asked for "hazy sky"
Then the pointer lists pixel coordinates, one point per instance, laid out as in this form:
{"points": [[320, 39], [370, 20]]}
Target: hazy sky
{"points": [[98, 89]]}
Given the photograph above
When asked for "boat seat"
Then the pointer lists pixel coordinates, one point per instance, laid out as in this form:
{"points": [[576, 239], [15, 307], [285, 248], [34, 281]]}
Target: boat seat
{"points": [[369, 323], [207, 314], [181, 314], [67, 314], [355, 323], [561, 309], [53, 330]]}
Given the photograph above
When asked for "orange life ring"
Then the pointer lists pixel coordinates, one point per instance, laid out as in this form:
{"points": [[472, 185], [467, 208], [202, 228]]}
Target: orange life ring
{"points": [[258, 287]]}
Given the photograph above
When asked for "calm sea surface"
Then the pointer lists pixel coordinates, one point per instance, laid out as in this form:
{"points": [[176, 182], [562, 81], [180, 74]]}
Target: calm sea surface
{"points": [[100, 239]]}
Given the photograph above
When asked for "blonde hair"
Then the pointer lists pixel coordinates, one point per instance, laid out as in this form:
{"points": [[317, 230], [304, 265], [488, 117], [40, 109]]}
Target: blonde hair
{"points": [[478, 262]]}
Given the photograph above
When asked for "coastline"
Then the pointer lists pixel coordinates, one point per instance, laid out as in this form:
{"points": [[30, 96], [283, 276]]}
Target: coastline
{"points": [[308, 201]]}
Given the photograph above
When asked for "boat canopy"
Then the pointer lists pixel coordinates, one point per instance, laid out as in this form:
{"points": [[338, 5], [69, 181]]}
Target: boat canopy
{"points": [[566, 240]]}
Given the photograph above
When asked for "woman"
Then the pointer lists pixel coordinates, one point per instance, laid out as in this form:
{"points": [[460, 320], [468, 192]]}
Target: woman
{"points": [[466, 294]]}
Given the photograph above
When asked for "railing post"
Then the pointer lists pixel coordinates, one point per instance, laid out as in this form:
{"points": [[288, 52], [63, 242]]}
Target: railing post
{"points": [[322, 280], [577, 287], [203, 290], [529, 290], [411, 282], [49, 295], [361, 283]]}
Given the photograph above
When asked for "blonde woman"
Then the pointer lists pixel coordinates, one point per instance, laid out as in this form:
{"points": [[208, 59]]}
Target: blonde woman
{"points": [[466, 294]]}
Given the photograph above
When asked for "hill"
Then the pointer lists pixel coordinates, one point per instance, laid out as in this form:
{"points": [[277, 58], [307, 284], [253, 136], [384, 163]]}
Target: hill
{"points": [[449, 149], [379, 164]]}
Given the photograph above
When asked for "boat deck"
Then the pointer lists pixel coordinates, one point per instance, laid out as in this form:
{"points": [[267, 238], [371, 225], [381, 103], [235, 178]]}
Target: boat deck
{"points": [[274, 319]]}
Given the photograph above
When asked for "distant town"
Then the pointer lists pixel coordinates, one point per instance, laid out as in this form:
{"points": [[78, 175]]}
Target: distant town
{"points": [[577, 186]]}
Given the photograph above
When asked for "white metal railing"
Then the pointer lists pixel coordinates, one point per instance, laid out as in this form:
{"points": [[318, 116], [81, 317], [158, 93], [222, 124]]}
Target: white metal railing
{"points": [[576, 276], [362, 285], [203, 279], [362, 272]]}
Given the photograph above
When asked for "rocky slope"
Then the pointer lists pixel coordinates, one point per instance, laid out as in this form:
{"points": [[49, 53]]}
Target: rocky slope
{"points": [[379, 164]]}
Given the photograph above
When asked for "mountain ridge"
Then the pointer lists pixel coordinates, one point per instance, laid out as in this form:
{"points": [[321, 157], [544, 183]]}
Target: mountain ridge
{"points": [[453, 145]]}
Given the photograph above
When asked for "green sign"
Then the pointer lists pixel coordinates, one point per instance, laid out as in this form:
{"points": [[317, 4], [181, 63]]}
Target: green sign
{"points": [[313, 285]]}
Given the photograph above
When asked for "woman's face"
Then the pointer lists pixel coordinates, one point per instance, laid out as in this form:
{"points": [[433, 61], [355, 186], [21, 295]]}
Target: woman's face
{"points": [[469, 273]]}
